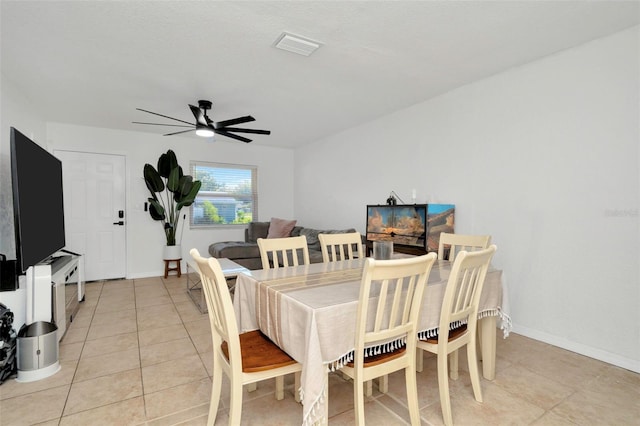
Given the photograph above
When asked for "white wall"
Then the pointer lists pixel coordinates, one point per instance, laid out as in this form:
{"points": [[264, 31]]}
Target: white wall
{"points": [[145, 237], [21, 113], [543, 157]]}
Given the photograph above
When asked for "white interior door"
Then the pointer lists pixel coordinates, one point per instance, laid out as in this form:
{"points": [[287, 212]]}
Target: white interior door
{"points": [[94, 211]]}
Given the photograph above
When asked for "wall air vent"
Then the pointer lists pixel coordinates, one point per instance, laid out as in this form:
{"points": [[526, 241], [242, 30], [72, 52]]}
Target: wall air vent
{"points": [[296, 44]]}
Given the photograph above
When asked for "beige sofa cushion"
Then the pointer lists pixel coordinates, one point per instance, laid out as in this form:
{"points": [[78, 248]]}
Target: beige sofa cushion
{"points": [[280, 228]]}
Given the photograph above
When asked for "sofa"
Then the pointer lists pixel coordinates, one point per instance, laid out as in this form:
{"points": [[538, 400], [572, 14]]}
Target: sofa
{"points": [[247, 254]]}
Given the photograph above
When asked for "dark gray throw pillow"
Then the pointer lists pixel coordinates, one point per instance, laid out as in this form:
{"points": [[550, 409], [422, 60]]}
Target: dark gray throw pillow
{"points": [[257, 230]]}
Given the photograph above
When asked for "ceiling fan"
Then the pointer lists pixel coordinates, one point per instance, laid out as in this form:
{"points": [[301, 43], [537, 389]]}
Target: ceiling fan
{"points": [[206, 127]]}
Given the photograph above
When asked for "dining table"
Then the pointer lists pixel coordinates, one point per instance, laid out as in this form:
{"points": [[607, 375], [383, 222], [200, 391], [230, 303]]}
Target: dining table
{"points": [[309, 311]]}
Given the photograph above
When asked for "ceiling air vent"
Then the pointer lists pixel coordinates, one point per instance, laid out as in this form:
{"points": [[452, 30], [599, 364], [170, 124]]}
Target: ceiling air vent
{"points": [[296, 44]]}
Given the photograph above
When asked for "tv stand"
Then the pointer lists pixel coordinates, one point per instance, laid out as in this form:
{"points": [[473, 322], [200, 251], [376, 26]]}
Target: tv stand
{"points": [[57, 262], [70, 252], [67, 278], [54, 290]]}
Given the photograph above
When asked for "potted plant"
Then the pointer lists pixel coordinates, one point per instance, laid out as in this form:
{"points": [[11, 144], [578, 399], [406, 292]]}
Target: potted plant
{"points": [[171, 190]]}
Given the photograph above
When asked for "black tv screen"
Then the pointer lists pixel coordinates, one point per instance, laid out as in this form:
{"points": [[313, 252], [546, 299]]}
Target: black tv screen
{"points": [[403, 224], [38, 207]]}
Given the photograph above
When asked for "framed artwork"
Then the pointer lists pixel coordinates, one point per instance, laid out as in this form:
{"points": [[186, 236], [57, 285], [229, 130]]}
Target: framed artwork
{"points": [[440, 218]]}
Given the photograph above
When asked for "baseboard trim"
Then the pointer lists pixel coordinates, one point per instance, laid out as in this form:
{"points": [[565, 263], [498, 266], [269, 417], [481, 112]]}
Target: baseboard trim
{"points": [[591, 352]]}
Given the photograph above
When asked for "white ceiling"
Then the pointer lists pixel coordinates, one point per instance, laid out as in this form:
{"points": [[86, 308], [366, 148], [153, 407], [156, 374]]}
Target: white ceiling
{"points": [[94, 62]]}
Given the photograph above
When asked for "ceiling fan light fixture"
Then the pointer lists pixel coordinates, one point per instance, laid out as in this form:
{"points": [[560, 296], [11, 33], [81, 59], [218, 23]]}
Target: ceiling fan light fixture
{"points": [[206, 127], [204, 131]]}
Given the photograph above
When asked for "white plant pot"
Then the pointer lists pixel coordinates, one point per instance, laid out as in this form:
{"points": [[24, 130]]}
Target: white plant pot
{"points": [[172, 252]]}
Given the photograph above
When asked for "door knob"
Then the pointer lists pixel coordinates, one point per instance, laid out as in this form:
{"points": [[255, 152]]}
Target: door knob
{"points": [[120, 223]]}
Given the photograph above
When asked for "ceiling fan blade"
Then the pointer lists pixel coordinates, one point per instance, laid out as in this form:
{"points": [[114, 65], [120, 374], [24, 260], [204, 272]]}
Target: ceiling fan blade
{"points": [[160, 124], [233, 121], [165, 116], [197, 113], [239, 130], [231, 135], [177, 133]]}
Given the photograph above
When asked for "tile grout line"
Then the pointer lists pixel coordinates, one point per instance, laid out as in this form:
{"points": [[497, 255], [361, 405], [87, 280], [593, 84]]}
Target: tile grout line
{"points": [[188, 334], [144, 399], [66, 401]]}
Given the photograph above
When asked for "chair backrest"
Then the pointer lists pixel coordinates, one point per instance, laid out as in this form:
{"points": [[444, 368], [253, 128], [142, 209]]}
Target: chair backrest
{"points": [[458, 242], [290, 251], [220, 307], [464, 287], [391, 295], [340, 246]]}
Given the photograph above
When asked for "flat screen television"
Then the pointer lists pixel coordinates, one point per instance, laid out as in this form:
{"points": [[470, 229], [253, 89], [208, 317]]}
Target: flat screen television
{"points": [[403, 224], [38, 208], [413, 225]]}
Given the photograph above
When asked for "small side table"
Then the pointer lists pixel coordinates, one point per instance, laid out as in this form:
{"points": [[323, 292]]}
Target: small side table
{"points": [[230, 269], [168, 268]]}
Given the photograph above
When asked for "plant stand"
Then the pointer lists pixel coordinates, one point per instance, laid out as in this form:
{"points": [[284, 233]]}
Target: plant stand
{"points": [[168, 268]]}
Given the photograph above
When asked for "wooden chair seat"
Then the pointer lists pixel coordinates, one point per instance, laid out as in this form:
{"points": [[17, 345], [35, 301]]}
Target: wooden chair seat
{"points": [[453, 334], [259, 353], [374, 360]]}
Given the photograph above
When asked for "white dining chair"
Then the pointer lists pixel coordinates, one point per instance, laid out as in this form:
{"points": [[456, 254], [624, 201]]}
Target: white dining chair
{"points": [[289, 251], [245, 358], [458, 242], [391, 294], [345, 246], [341, 246], [450, 244], [458, 323]]}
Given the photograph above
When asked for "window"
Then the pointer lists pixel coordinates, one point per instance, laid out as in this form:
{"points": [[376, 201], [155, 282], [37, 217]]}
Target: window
{"points": [[228, 196]]}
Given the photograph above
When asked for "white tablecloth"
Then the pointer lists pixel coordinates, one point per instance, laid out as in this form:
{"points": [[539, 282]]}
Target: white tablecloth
{"points": [[310, 312]]}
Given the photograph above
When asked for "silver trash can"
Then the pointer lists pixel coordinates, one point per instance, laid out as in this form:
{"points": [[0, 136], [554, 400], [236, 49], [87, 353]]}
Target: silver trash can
{"points": [[37, 350]]}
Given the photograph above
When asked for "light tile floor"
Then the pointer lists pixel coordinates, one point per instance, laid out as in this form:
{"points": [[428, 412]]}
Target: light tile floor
{"points": [[139, 352]]}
